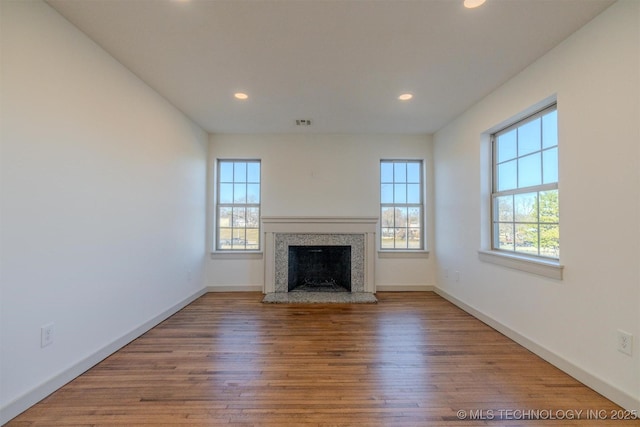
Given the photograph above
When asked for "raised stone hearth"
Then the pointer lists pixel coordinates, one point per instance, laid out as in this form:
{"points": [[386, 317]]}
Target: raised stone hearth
{"points": [[281, 233], [320, 297]]}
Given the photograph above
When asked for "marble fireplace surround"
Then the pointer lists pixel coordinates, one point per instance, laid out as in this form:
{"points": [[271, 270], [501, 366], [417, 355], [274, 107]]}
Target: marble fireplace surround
{"points": [[282, 231]]}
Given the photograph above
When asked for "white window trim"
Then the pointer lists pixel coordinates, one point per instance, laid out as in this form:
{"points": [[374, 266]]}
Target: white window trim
{"points": [[220, 254], [403, 253], [542, 267]]}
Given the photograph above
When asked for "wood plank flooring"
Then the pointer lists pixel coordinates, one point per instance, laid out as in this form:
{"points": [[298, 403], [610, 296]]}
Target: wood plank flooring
{"points": [[413, 359]]}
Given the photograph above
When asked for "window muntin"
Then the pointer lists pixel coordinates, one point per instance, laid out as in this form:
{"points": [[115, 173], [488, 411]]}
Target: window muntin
{"points": [[401, 205], [238, 205], [525, 205]]}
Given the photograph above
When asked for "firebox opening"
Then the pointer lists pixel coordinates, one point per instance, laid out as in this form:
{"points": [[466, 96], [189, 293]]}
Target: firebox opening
{"points": [[319, 268]]}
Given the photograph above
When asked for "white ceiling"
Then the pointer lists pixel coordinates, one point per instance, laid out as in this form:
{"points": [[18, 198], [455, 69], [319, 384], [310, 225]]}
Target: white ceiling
{"points": [[340, 63]]}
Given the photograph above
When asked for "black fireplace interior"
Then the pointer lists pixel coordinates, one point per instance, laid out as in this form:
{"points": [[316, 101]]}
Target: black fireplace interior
{"points": [[320, 268]]}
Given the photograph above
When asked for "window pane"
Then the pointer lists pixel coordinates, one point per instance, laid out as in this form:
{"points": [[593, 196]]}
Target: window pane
{"points": [[226, 193], [550, 166], [503, 208], [414, 217], [225, 238], [253, 172], [400, 193], [550, 241], [529, 168], [401, 217], [413, 193], [239, 239], [234, 219], [387, 217], [240, 193], [386, 193], [253, 241], [253, 217], [506, 146], [505, 237], [507, 175], [401, 186], [527, 238], [549, 209], [526, 207], [413, 239], [527, 219], [413, 172], [239, 215], [401, 238], [386, 172], [224, 217], [400, 172], [253, 193], [240, 172], [529, 137], [550, 129], [226, 171], [387, 238]]}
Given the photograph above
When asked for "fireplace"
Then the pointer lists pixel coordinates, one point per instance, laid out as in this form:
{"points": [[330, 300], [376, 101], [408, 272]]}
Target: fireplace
{"points": [[354, 235], [319, 269]]}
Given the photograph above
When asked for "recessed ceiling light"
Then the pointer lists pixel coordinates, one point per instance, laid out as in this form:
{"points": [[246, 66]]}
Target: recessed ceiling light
{"points": [[470, 4], [241, 95], [405, 97]]}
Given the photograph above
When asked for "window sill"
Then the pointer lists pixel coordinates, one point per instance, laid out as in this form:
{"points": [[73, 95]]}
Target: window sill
{"points": [[403, 254], [236, 255], [550, 269]]}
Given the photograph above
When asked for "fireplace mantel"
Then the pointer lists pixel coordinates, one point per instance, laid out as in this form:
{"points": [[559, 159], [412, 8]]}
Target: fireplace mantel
{"points": [[324, 229]]}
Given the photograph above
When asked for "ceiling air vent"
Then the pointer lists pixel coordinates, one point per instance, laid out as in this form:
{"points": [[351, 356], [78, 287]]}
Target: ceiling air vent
{"points": [[303, 122]]}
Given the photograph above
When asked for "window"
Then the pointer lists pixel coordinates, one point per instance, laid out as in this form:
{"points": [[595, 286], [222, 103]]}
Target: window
{"points": [[525, 209], [238, 205], [401, 204]]}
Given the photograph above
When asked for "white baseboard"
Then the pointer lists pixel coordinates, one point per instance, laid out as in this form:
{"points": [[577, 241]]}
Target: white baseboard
{"points": [[234, 288], [601, 386], [24, 402], [405, 288]]}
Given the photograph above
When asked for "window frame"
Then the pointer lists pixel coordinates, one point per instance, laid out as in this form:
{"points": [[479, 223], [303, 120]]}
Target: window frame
{"points": [[539, 188], [219, 205], [420, 206]]}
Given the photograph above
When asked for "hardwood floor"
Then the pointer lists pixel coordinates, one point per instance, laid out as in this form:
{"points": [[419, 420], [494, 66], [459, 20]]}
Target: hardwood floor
{"points": [[413, 359]]}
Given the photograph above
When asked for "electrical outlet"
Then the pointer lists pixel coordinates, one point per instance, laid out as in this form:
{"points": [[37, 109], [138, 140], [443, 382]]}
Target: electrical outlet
{"points": [[625, 342], [446, 273], [457, 276], [46, 335]]}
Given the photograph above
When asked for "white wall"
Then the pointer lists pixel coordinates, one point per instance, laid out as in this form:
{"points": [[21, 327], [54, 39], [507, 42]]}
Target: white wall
{"points": [[596, 77], [321, 175], [103, 200]]}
